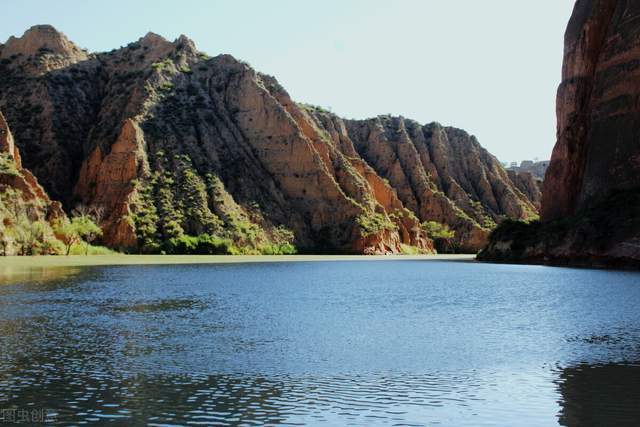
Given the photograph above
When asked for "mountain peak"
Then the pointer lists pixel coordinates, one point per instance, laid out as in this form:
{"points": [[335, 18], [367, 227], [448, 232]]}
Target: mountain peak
{"points": [[185, 42], [153, 38], [42, 38]]}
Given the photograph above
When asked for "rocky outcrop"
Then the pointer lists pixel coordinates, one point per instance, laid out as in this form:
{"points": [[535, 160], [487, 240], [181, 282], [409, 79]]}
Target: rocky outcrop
{"points": [[440, 173], [41, 49], [13, 175], [590, 190], [23, 201], [168, 141], [108, 181]]}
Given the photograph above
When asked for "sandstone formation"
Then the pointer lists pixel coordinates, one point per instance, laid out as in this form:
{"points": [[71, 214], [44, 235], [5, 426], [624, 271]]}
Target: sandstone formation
{"points": [[590, 202], [40, 41], [439, 173], [19, 178], [23, 201], [170, 141], [597, 107], [528, 185]]}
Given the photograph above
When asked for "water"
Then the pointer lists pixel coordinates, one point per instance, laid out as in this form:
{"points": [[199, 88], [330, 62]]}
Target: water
{"points": [[334, 343]]}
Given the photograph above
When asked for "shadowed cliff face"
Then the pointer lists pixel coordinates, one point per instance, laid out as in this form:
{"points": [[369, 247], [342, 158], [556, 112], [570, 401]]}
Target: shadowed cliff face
{"points": [[597, 108], [591, 199], [13, 175], [23, 202], [597, 394], [159, 124]]}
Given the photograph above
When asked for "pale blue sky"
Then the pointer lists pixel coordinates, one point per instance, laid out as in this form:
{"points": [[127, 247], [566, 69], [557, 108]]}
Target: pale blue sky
{"points": [[491, 67]]}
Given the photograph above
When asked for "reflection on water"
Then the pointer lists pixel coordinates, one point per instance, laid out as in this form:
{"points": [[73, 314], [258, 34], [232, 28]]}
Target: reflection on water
{"points": [[600, 395], [19, 274], [364, 343]]}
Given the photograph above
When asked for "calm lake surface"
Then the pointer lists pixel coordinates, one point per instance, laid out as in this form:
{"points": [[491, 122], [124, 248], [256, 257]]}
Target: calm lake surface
{"points": [[335, 343]]}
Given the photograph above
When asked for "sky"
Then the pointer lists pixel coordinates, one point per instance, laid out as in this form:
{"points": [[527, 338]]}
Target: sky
{"points": [[491, 67]]}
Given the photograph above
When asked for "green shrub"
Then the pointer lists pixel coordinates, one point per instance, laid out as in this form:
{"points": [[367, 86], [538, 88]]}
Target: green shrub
{"points": [[166, 87], [211, 245], [440, 234], [278, 249], [182, 245], [412, 250], [435, 230], [201, 245], [373, 222], [162, 65], [8, 165], [81, 249], [21, 230]]}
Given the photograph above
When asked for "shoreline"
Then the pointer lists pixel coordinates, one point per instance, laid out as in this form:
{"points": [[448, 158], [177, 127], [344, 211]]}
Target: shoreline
{"points": [[114, 260]]}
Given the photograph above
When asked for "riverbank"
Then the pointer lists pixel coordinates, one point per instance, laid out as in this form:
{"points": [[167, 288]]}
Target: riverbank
{"points": [[104, 260], [46, 268]]}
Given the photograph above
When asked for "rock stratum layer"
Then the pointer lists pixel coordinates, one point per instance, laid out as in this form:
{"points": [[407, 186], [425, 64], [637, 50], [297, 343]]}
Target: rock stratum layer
{"points": [[590, 202], [169, 141]]}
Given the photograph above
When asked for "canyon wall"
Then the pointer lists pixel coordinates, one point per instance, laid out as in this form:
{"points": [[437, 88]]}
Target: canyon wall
{"points": [[591, 202], [169, 141]]}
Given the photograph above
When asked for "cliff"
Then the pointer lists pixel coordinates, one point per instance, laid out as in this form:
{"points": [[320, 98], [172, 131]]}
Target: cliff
{"points": [[529, 185], [590, 201], [440, 173], [26, 212], [170, 142]]}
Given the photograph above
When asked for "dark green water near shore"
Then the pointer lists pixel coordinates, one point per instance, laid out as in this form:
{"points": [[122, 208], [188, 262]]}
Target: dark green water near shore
{"points": [[334, 343]]}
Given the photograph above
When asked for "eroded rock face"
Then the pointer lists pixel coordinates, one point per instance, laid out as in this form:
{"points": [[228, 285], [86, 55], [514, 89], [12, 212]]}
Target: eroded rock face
{"points": [[528, 185], [18, 178], [591, 198], [156, 119], [597, 108], [109, 181], [40, 49], [441, 174]]}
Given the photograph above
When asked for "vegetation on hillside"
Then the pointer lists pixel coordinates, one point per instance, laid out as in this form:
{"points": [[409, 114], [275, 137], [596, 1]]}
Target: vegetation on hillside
{"points": [[441, 235], [7, 165], [373, 222], [25, 230], [81, 228], [608, 220], [176, 211]]}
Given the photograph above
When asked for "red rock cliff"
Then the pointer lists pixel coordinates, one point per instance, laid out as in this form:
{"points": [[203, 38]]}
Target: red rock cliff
{"points": [[14, 176], [170, 141], [598, 108], [591, 197]]}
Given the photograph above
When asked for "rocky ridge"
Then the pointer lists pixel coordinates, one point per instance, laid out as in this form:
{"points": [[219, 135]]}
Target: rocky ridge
{"points": [[440, 173], [170, 141]]}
